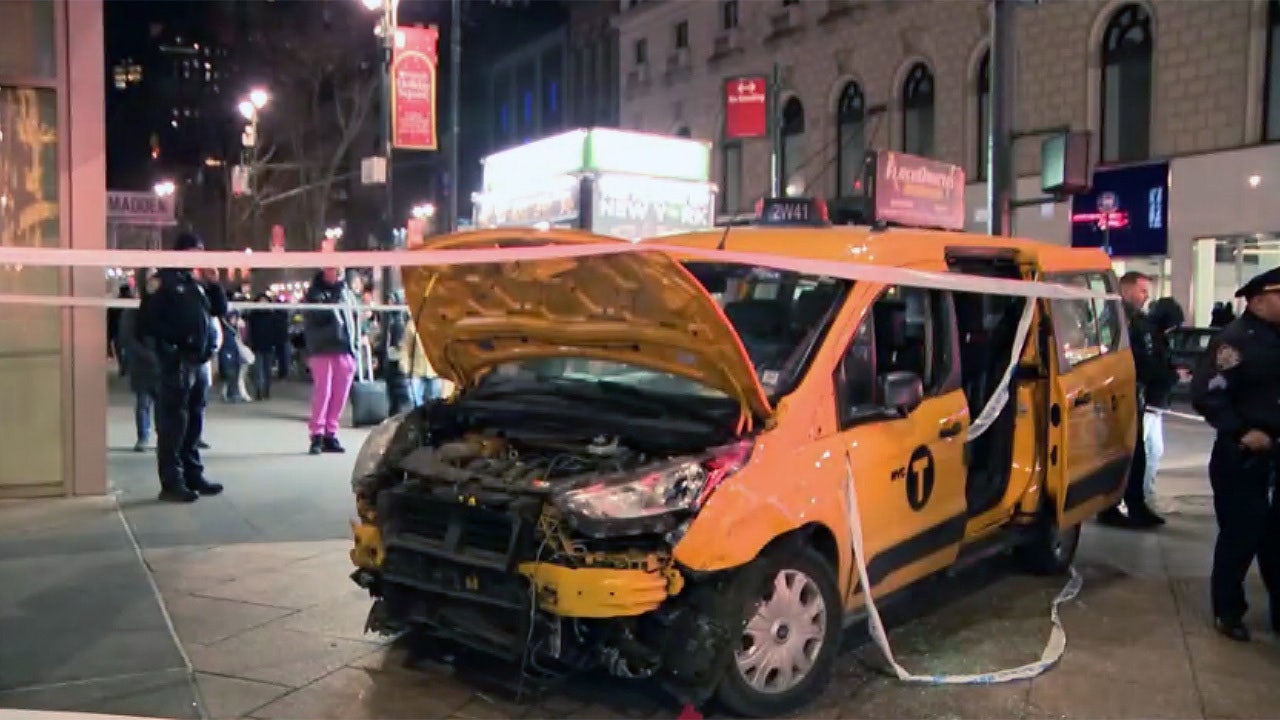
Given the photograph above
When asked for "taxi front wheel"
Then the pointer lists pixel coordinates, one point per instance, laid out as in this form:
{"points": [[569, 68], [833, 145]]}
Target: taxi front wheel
{"points": [[791, 629], [1050, 550]]}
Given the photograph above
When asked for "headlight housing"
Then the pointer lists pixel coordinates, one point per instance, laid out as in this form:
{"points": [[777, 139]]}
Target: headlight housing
{"points": [[369, 459], [627, 505]]}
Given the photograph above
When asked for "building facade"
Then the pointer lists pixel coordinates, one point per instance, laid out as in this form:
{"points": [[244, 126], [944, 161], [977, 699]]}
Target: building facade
{"points": [[52, 194], [1195, 83], [593, 63]]}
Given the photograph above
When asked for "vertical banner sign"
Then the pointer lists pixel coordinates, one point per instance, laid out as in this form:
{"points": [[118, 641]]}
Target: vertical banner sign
{"points": [[413, 88], [277, 238], [746, 107]]}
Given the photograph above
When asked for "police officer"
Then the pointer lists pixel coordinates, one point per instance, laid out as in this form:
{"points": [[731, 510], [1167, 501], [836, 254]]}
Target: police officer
{"points": [[177, 319], [1236, 387]]}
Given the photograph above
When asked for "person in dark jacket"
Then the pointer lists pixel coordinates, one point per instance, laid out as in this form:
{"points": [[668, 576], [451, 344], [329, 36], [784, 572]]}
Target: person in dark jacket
{"points": [[267, 331], [1237, 389], [396, 367], [1164, 316], [332, 338], [144, 377], [1135, 291], [177, 321], [117, 342], [1221, 315]]}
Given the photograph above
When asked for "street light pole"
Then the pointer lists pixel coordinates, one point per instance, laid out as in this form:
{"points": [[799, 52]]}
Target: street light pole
{"points": [[1000, 158], [455, 93]]}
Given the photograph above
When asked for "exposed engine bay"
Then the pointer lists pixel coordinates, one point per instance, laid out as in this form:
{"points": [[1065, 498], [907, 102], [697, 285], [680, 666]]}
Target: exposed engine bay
{"points": [[550, 549]]}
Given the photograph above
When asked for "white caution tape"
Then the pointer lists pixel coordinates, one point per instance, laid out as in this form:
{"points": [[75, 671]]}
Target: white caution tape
{"points": [[54, 257], [998, 399], [126, 303], [1053, 649]]}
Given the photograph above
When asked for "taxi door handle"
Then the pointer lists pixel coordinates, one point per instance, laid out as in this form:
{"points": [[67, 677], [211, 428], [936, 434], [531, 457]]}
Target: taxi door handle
{"points": [[951, 430], [1082, 398]]}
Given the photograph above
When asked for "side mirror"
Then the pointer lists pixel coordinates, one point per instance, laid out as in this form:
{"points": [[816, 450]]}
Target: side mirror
{"points": [[902, 391]]}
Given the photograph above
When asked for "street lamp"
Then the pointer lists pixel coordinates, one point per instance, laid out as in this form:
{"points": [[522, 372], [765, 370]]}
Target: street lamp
{"points": [[165, 188], [425, 211], [249, 107], [333, 233]]}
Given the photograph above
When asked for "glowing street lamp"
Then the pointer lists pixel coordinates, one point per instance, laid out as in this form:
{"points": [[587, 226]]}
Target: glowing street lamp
{"points": [[165, 188], [333, 233], [425, 211]]}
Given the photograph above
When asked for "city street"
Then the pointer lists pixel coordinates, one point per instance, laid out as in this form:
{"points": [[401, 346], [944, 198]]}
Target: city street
{"points": [[255, 584]]}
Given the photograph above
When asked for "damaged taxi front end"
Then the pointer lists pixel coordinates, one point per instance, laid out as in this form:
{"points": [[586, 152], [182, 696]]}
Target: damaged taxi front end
{"points": [[533, 516]]}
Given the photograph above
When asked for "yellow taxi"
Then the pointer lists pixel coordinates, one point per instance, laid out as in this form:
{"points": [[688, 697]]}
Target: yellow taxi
{"points": [[646, 463]]}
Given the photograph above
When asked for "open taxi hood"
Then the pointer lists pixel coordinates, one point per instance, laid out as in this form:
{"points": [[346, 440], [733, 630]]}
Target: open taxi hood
{"points": [[640, 308]]}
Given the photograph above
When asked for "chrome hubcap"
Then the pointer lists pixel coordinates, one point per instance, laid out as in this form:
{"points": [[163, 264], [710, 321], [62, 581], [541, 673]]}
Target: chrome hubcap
{"points": [[782, 640]]}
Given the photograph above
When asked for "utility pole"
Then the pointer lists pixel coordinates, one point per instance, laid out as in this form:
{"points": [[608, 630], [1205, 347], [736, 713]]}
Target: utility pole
{"points": [[455, 95], [775, 132], [1000, 187], [391, 25]]}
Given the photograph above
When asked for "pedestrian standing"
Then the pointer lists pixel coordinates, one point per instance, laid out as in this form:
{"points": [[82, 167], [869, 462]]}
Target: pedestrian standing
{"points": [[1135, 291], [178, 319], [331, 336], [266, 332], [1236, 387], [1165, 315], [144, 377]]}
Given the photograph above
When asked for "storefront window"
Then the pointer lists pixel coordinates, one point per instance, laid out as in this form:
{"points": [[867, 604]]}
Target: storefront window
{"points": [[31, 433], [28, 47], [1223, 264]]}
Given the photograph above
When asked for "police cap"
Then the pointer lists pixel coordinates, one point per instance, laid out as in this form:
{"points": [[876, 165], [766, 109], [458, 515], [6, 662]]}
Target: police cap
{"points": [[1267, 282]]}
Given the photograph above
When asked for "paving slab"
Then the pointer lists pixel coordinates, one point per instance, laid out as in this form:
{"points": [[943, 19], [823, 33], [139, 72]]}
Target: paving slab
{"points": [[356, 694], [272, 654]]}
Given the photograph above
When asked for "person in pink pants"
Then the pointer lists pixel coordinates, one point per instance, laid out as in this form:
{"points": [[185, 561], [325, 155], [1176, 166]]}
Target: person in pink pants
{"points": [[332, 337]]}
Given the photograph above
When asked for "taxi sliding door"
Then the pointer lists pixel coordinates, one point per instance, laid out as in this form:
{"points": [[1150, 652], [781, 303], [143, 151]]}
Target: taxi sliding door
{"points": [[1090, 414]]}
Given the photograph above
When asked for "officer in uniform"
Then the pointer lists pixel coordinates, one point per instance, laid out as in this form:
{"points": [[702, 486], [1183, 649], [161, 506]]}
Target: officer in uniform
{"points": [[177, 319], [1236, 387]]}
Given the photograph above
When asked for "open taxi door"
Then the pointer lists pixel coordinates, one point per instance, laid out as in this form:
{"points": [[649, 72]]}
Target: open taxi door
{"points": [[1092, 403]]}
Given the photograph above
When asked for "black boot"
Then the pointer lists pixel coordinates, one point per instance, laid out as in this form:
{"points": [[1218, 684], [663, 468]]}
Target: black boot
{"points": [[204, 487], [317, 444], [330, 444], [1113, 517], [181, 494], [1142, 516], [1233, 629]]}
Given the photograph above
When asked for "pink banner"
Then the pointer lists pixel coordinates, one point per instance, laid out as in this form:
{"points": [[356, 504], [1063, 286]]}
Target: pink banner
{"points": [[918, 192]]}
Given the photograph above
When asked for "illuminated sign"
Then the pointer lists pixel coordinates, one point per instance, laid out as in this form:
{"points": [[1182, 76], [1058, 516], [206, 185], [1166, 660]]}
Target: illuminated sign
{"points": [[633, 208], [557, 201], [1126, 213], [791, 211], [598, 150], [918, 192], [139, 208], [746, 107], [413, 94]]}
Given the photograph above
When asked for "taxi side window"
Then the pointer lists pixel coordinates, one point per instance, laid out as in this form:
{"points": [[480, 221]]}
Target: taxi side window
{"points": [[908, 329], [1087, 329]]}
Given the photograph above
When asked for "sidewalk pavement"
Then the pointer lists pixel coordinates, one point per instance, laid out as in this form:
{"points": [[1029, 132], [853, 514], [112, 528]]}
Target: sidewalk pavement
{"points": [[255, 581]]}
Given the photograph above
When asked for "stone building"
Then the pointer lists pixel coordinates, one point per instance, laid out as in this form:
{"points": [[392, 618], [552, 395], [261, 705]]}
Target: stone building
{"points": [[1194, 83]]}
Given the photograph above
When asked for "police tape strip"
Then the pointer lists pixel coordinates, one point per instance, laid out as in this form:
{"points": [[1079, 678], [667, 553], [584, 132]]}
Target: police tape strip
{"points": [[58, 257], [1049, 657]]}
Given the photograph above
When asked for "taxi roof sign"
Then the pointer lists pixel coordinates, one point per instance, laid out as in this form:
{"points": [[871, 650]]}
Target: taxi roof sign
{"points": [[792, 212]]}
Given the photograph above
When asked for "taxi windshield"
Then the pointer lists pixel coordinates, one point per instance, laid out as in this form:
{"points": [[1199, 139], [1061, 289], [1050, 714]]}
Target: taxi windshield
{"points": [[781, 316]]}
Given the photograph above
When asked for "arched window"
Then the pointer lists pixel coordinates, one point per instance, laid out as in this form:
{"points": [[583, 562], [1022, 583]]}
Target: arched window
{"points": [[1271, 99], [684, 132], [792, 140], [917, 111], [984, 115], [851, 141], [1127, 49]]}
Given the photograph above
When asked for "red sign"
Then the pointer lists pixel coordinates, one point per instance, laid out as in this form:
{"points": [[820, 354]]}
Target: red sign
{"points": [[746, 107], [413, 100], [277, 238], [918, 192]]}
